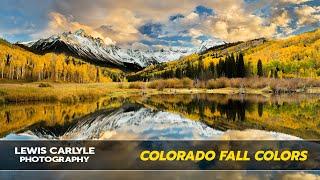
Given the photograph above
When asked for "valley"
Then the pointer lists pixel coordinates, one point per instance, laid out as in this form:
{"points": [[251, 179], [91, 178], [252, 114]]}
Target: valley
{"points": [[41, 83]]}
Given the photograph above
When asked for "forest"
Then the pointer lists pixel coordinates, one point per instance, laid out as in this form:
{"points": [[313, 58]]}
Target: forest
{"points": [[293, 57], [19, 64], [232, 66]]}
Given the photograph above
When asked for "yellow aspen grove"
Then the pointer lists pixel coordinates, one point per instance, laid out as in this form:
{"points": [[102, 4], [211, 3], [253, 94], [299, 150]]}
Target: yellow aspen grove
{"points": [[19, 64]]}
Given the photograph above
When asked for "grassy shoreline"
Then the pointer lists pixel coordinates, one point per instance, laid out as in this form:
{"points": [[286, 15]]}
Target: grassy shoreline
{"points": [[72, 92]]}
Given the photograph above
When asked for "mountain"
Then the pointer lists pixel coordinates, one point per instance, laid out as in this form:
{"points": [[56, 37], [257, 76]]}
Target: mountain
{"points": [[207, 44], [20, 62], [94, 50], [133, 121], [26, 43], [137, 121], [295, 56], [86, 47]]}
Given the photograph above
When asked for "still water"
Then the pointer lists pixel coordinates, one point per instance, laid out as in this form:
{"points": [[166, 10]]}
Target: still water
{"points": [[196, 116]]}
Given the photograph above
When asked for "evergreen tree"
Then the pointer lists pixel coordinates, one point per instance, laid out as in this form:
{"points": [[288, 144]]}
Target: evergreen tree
{"points": [[189, 70], [178, 73], [259, 68], [241, 67], [200, 70], [212, 70], [233, 67]]}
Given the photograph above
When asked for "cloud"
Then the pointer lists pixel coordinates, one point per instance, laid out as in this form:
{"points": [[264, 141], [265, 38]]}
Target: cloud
{"points": [[294, 1], [126, 22], [283, 19], [141, 46], [233, 23], [308, 15], [59, 23], [176, 17], [152, 30], [195, 32], [124, 26]]}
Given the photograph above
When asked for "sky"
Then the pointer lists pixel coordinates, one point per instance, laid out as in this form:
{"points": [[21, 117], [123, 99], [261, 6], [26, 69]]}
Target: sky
{"points": [[154, 23]]}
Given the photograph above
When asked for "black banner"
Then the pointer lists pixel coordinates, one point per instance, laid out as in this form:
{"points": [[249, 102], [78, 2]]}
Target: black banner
{"points": [[159, 155]]}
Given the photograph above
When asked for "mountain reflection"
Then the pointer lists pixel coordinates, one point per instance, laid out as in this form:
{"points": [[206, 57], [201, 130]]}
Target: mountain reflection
{"points": [[165, 116]]}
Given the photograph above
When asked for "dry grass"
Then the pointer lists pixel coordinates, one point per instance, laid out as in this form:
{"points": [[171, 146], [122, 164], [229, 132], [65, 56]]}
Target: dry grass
{"points": [[276, 85], [70, 93], [137, 85], [171, 83], [218, 83]]}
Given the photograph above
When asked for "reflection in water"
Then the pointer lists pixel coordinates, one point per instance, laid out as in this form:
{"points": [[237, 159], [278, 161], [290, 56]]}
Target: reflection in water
{"points": [[18, 117], [166, 116], [295, 115], [133, 121]]}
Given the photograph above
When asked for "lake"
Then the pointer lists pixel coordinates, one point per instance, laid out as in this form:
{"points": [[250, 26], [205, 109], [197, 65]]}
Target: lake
{"points": [[174, 116]]}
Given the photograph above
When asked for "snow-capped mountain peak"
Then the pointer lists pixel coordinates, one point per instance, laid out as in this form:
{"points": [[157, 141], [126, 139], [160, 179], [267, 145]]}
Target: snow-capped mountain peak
{"points": [[89, 48], [93, 49], [209, 43]]}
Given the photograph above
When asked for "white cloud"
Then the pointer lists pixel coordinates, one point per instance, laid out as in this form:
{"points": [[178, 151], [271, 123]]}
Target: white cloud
{"points": [[124, 26], [294, 1], [59, 23], [138, 45], [233, 23], [283, 19], [195, 32], [234, 20], [308, 15]]}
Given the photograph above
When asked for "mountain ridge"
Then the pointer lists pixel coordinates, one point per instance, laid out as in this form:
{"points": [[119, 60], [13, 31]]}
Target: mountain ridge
{"points": [[84, 46]]}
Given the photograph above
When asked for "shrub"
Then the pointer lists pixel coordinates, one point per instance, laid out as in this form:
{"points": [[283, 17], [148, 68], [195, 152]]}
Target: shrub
{"points": [[2, 93], [218, 83], [121, 85], [44, 85], [171, 83], [2, 101], [187, 83], [137, 85]]}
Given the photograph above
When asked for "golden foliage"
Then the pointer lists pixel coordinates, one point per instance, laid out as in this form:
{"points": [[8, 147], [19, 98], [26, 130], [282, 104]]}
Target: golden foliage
{"points": [[19, 64]]}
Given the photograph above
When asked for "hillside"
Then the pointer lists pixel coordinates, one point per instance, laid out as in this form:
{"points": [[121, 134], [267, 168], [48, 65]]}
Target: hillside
{"points": [[297, 56], [17, 63]]}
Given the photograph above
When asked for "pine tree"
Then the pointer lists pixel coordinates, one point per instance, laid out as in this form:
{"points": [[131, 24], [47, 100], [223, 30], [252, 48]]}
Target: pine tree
{"points": [[212, 70], [233, 67], [259, 68], [200, 70], [189, 70], [241, 67], [178, 73]]}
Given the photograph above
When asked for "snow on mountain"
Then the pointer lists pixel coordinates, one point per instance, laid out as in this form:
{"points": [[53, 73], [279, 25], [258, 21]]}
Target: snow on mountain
{"points": [[93, 49], [172, 53], [89, 48], [27, 43], [140, 122], [133, 121], [207, 44], [136, 122]]}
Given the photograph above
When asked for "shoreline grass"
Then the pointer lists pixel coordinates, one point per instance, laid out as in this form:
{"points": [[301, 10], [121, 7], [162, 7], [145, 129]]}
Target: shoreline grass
{"points": [[73, 92], [268, 85]]}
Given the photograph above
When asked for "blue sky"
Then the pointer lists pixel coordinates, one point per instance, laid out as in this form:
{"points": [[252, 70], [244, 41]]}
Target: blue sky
{"points": [[158, 23]]}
